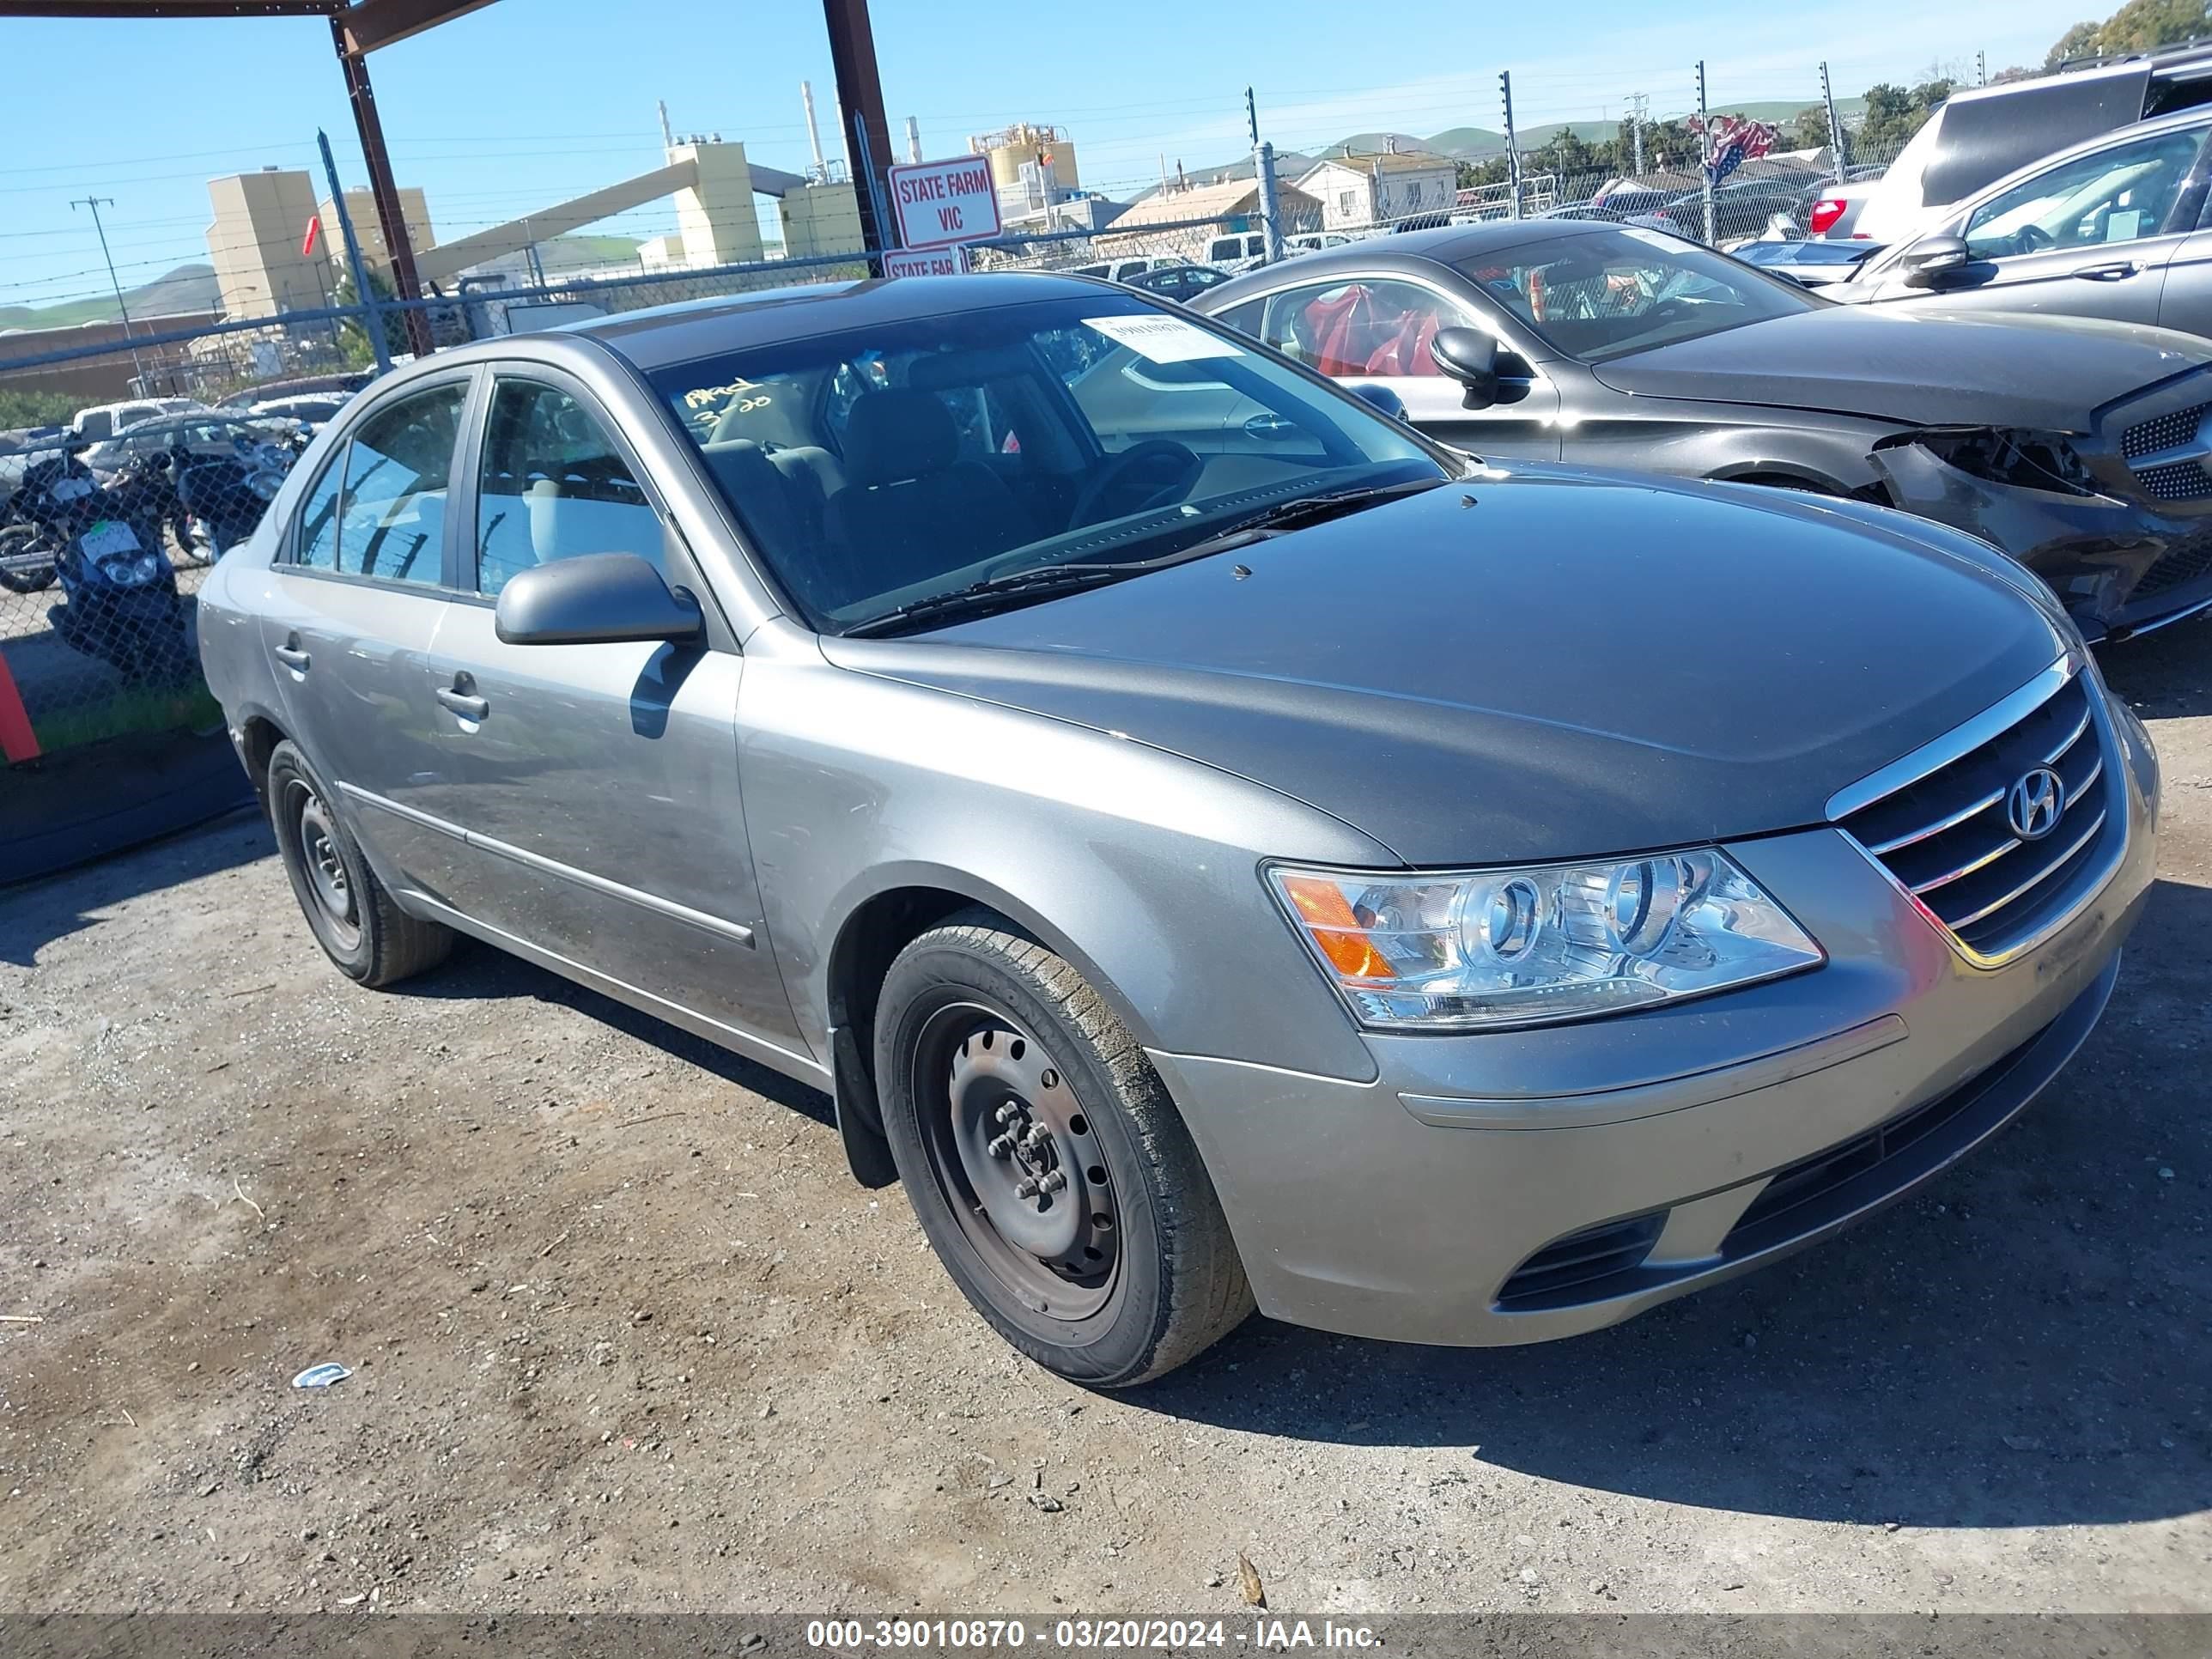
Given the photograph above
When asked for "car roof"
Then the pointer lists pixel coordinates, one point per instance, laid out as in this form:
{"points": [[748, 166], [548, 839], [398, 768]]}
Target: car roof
{"points": [[1415, 250], [692, 329]]}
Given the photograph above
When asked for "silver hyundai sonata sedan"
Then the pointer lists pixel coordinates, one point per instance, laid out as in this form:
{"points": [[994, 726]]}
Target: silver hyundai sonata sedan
{"points": [[1217, 846]]}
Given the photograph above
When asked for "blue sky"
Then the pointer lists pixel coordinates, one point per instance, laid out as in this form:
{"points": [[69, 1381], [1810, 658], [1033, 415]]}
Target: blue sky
{"points": [[528, 101]]}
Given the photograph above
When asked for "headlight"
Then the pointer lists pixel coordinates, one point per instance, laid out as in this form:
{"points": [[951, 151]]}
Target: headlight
{"points": [[1529, 946], [2005, 455]]}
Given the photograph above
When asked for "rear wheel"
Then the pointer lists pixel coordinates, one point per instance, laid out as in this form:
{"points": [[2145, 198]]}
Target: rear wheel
{"points": [[371, 939], [27, 559], [1045, 1161]]}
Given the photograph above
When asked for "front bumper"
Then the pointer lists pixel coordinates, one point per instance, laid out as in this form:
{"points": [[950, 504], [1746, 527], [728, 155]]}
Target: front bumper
{"points": [[2118, 566], [1518, 1186]]}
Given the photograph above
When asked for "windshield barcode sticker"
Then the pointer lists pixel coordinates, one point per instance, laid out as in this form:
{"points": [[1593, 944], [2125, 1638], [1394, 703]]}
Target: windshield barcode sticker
{"points": [[1164, 339]]}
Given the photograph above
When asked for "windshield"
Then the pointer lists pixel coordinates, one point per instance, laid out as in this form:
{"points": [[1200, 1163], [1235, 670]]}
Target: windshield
{"points": [[879, 468], [1606, 293]]}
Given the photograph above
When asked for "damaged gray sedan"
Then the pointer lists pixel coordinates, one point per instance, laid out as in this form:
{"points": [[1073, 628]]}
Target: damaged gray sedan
{"points": [[2077, 447]]}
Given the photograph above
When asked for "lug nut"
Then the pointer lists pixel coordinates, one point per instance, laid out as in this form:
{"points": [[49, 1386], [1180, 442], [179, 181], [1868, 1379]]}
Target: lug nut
{"points": [[1001, 1147], [1055, 1180], [1027, 1188], [1010, 1113], [1037, 1138]]}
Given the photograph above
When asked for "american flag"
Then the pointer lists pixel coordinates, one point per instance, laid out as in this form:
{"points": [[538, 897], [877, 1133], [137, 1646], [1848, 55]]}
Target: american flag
{"points": [[1732, 139]]}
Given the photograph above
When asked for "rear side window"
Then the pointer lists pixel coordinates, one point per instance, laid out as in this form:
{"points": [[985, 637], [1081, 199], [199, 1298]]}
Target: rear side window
{"points": [[554, 486], [391, 519], [318, 548]]}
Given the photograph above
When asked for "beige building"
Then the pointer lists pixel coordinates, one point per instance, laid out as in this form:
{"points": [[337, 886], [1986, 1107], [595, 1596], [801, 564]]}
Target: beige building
{"points": [[260, 230], [820, 219], [1356, 191], [1235, 200]]}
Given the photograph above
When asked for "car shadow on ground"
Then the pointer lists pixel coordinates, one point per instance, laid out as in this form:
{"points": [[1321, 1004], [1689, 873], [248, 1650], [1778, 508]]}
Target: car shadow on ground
{"points": [[2167, 675], [33, 913], [2026, 1341], [477, 972]]}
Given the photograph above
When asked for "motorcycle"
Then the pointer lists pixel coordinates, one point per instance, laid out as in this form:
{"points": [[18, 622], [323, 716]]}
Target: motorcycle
{"points": [[120, 604], [227, 497], [144, 491], [36, 522]]}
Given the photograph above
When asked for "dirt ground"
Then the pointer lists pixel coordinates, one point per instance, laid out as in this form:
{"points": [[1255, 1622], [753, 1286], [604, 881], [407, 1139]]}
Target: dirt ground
{"points": [[625, 1335]]}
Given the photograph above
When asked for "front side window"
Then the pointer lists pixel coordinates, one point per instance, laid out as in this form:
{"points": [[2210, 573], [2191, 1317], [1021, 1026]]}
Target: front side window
{"points": [[1604, 293], [553, 486], [392, 516], [2117, 195], [873, 469], [1371, 325]]}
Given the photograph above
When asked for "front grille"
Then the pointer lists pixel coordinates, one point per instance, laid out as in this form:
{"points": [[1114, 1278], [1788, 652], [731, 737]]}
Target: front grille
{"points": [[2164, 432], [2183, 561], [1569, 1271], [2175, 481], [1947, 838], [1795, 1199]]}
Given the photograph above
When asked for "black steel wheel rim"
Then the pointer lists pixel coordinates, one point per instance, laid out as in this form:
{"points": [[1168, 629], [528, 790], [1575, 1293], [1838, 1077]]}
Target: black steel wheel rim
{"points": [[330, 886], [1018, 1161]]}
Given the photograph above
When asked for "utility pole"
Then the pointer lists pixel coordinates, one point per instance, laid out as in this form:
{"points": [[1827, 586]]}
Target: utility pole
{"points": [[1835, 124], [1705, 150], [138, 368], [1981, 69], [1263, 174], [1512, 145], [361, 291], [1639, 107], [861, 114]]}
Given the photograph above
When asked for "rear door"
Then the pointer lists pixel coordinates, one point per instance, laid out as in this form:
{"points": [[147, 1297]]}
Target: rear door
{"points": [[597, 784], [354, 603], [2089, 237], [1377, 329]]}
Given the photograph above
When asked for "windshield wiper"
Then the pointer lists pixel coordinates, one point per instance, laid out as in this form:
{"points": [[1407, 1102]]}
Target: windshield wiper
{"points": [[994, 592], [1304, 510]]}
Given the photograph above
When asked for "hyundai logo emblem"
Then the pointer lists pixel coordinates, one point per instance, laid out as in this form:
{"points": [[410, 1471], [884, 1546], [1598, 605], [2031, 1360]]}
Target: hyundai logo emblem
{"points": [[2034, 804]]}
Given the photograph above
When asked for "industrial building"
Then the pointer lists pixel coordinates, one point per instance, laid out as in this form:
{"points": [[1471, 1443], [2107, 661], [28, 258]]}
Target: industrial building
{"points": [[259, 246]]}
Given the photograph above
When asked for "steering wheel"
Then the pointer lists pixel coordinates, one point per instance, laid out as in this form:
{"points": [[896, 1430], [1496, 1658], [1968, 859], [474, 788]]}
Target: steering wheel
{"points": [[2032, 238], [1157, 472]]}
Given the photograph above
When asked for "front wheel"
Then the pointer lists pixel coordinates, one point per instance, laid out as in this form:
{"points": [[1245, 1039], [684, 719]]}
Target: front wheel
{"points": [[1045, 1161], [27, 560]]}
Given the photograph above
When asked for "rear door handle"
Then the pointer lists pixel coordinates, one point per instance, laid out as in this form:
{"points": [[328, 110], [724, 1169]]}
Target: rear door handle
{"points": [[2112, 273], [460, 696], [290, 655]]}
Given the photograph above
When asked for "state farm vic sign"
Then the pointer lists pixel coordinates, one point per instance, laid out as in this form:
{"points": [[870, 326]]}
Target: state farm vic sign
{"points": [[941, 203]]}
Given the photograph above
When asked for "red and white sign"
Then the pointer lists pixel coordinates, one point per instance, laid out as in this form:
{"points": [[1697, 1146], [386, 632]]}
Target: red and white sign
{"points": [[941, 203], [925, 261]]}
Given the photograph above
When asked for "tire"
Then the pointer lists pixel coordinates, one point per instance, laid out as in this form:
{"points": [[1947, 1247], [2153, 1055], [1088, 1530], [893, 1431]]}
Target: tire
{"points": [[371, 939], [20, 542], [985, 1041]]}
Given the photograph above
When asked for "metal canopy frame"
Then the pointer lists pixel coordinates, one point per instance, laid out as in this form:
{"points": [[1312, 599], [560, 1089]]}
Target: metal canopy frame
{"points": [[366, 26]]}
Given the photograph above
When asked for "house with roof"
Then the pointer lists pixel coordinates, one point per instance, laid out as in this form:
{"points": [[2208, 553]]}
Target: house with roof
{"points": [[1357, 192], [1232, 205]]}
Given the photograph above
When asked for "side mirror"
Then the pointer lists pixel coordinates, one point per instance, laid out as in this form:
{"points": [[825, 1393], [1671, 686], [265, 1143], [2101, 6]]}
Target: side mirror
{"points": [[1469, 356], [1383, 400], [595, 598], [1928, 260]]}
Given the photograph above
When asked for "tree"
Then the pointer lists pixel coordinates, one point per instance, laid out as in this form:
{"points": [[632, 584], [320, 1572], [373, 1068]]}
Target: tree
{"points": [[354, 345], [1893, 114], [1810, 130], [2138, 26]]}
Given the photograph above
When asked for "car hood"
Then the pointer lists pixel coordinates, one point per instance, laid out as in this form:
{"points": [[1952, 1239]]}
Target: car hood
{"points": [[1918, 365], [1544, 665]]}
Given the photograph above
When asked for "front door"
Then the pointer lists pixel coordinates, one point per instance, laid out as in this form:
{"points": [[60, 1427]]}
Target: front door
{"points": [[353, 605], [1376, 329], [2092, 237], [598, 783]]}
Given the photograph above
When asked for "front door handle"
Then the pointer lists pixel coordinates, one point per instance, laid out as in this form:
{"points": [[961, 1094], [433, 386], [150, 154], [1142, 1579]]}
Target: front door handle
{"points": [[2112, 273], [290, 654], [461, 697]]}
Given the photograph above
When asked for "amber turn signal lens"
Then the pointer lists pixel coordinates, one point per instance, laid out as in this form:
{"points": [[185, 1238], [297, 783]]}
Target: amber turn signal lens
{"points": [[1330, 918]]}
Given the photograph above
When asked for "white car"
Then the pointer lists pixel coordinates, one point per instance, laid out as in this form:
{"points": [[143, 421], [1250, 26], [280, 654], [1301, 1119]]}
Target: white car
{"points": [[103, 421]]}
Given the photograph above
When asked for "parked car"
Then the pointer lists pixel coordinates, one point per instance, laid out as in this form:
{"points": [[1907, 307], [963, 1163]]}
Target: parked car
{"points": [[312, 411], [1181, 282], [918, 688], [1808, 264], [1621, 346], [1116, 271], [2112, 227], [1980, 134], [1742, 209], [103, 421], [204, 434], [1240, 252]]}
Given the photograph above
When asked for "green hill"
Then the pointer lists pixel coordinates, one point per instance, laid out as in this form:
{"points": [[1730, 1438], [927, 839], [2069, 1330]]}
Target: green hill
{"points": [[189, 287]]}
